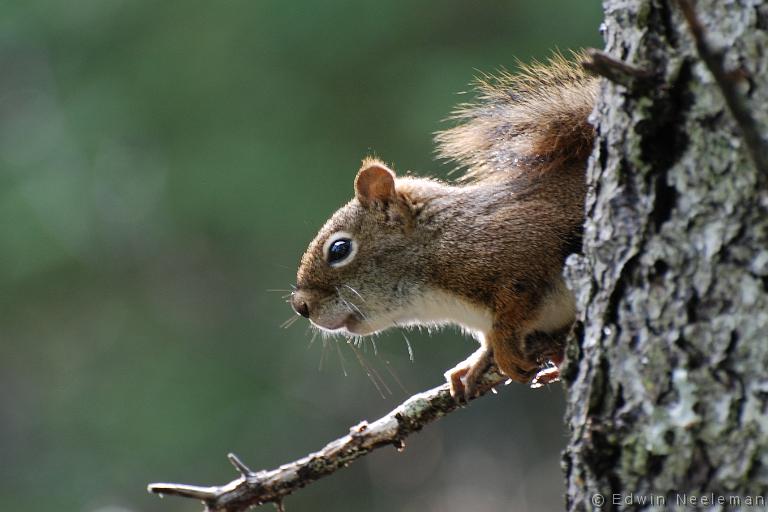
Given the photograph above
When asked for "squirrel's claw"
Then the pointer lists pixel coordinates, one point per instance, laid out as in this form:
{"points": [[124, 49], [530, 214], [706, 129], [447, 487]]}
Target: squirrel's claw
{"points": [[463, 377], [546, 376], [454, 376]]}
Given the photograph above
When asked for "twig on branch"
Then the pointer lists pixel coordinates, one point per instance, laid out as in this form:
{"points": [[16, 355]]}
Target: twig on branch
{"points": [[271, 486], [757, 146], [602, 64]]}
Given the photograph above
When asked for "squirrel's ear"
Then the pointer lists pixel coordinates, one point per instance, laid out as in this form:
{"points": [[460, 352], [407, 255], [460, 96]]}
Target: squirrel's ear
{"points": [[375, 182]]}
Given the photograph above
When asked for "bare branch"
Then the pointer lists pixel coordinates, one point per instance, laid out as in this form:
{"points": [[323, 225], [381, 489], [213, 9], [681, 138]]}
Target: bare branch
{"points": [[257, 488], [602, 64], [757, 146]]}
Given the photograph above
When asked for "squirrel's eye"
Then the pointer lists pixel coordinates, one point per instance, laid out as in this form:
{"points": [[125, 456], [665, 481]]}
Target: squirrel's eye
{"points": [[339, 250]]}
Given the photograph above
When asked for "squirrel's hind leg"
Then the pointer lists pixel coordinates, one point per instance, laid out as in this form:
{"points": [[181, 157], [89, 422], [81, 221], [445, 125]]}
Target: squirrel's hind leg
{"points": [[546, 376], [548, 349], [506, 345]]}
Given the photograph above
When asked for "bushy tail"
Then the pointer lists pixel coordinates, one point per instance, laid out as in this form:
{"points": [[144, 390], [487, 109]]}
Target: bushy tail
{"points": [[533, 120]]}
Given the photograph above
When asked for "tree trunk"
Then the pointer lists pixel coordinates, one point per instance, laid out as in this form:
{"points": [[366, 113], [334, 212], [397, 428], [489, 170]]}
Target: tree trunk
{"points": [[668, 387]]}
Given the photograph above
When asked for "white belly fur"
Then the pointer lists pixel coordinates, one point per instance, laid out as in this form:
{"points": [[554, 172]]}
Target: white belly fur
{"points": [[558, 311], [438, 307]]}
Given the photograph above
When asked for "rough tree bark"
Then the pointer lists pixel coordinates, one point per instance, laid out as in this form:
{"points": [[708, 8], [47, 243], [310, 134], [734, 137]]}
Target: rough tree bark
{"points": [[667, 384]]}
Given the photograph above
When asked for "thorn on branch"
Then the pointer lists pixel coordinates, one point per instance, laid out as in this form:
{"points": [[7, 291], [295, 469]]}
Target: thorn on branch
{"points": [[239, 465], [727, 81], [618, 72]]}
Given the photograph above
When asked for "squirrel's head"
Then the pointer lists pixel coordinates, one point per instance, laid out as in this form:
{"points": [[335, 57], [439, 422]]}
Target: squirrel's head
{"points": [[360, 271]]}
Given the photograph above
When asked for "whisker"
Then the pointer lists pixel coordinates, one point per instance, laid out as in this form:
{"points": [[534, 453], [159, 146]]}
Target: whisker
{"points": [[289, 322], [355, 292], [346, 304], [381, 380], [354, 309], [372, 374], [314, 337], [395, 376], [349, 305], [341, 358], [272, 290], [408, 344], [322, 354], [387, 364]]}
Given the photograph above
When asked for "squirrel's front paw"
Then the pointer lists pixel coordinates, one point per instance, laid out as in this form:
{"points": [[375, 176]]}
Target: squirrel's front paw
{"points": [[463, 377]]}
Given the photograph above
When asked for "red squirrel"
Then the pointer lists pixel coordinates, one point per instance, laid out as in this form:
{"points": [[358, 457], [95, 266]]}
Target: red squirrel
{"points": [[486, 252]]}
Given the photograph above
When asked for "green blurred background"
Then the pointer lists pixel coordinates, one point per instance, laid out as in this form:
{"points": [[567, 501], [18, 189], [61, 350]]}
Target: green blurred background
{"points": [[162, 167]]}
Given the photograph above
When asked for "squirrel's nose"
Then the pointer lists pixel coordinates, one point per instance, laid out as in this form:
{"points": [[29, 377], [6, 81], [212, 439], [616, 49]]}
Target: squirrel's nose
{"points": [[300, 305]]}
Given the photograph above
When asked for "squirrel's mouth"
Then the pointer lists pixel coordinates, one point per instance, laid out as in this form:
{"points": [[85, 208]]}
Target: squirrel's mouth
{"points": [[350, 324], [345, 324]]}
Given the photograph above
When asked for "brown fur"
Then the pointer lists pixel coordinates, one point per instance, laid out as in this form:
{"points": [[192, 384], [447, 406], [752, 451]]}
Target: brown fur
{"points": [[489, 249], [535, 120]]}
